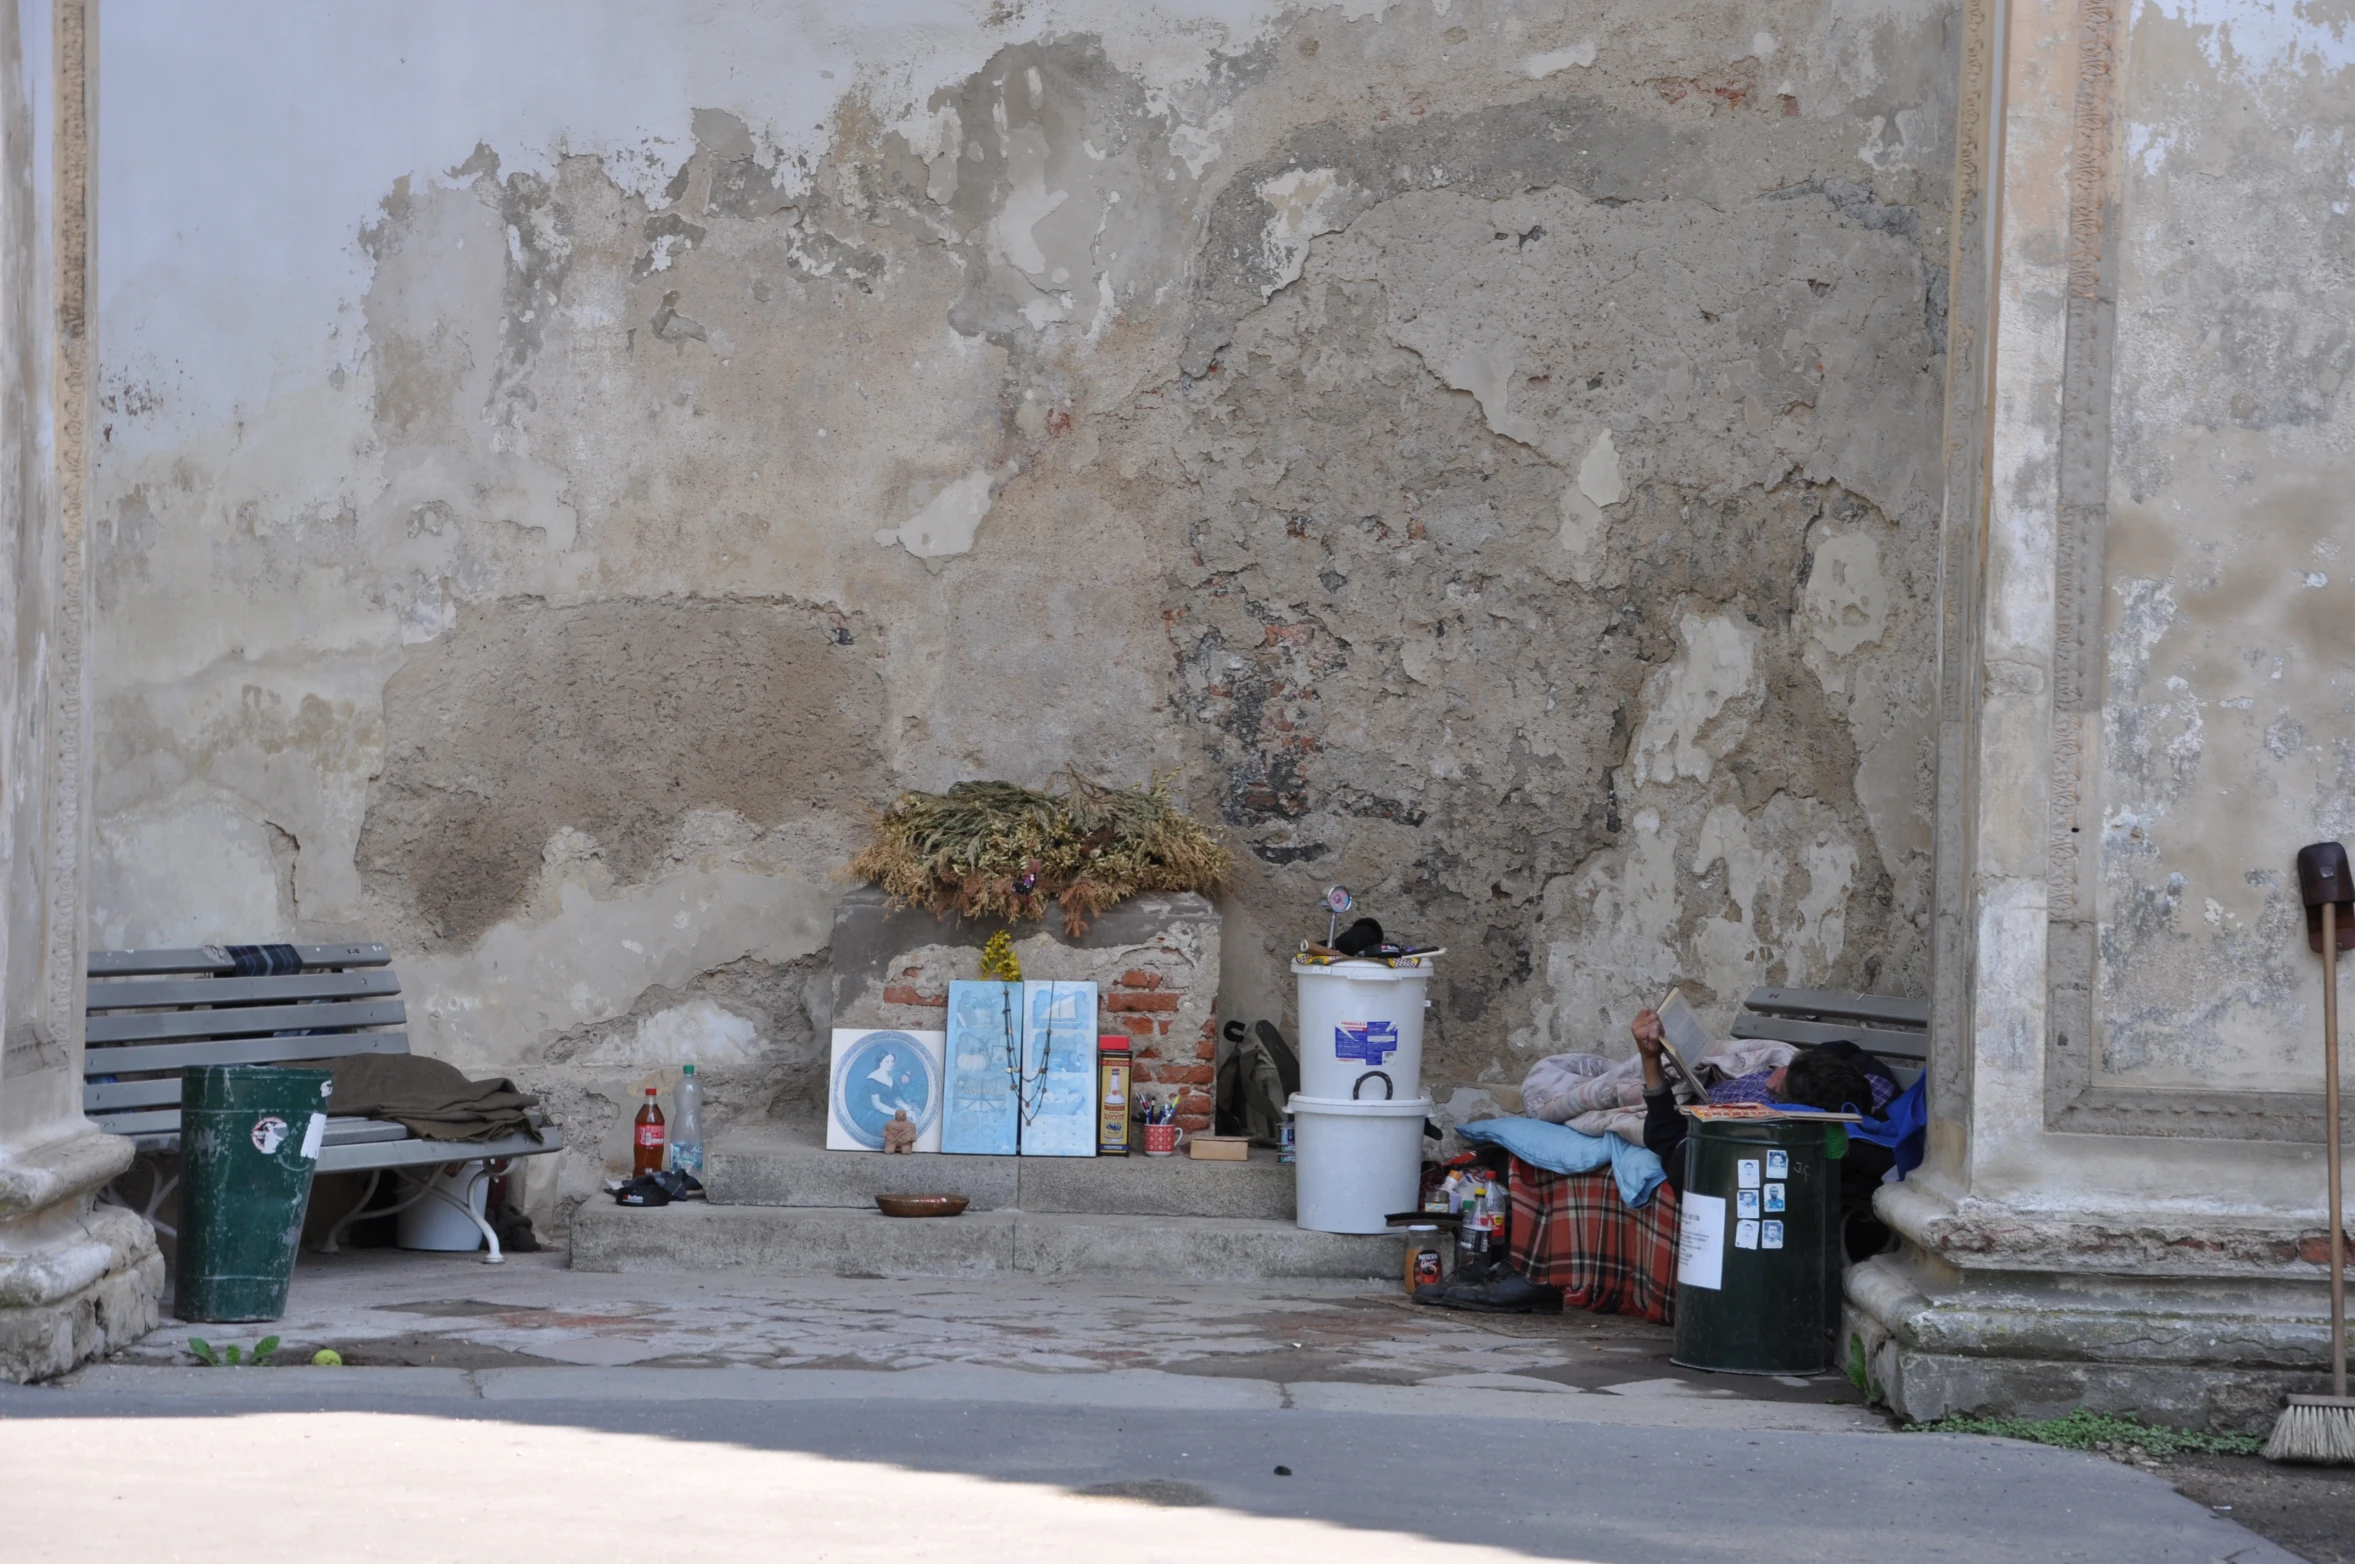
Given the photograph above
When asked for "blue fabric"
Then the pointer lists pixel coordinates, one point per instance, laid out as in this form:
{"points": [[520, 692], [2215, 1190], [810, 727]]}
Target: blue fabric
{"points": [[1560, 1149], [1902, 1129]]}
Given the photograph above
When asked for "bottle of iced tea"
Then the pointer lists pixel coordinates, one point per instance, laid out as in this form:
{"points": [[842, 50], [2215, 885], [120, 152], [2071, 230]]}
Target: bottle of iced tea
{"points": [[648, 1153]]}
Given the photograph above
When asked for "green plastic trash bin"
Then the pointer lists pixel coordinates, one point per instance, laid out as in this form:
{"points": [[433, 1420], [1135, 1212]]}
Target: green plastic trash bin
{"points": [[1757, 1278], [249, 1142]]}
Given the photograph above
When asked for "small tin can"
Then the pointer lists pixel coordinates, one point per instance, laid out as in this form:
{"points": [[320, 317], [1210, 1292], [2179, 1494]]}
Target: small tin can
{"points": [[1284, 1140], [1422, 1257]]}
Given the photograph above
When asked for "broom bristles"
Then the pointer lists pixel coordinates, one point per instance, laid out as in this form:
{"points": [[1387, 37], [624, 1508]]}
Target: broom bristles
{"points": [[2315, 1431]]}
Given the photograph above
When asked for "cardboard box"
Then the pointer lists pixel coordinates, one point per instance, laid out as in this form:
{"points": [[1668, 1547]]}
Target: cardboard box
{"points": [[1220, 1148]]}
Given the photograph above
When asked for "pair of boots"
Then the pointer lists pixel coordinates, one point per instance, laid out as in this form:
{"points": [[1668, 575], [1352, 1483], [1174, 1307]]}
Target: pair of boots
{"points": [[1490, 1286]]}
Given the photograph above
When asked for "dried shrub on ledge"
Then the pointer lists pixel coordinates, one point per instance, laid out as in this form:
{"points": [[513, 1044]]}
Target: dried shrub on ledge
{"points": [[991, 850]]}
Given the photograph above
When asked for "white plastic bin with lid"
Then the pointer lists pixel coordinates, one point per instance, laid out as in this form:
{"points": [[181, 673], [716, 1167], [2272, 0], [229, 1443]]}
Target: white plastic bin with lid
{"points": [[1357, 1161], [1361, 1029], [433, 1222]]}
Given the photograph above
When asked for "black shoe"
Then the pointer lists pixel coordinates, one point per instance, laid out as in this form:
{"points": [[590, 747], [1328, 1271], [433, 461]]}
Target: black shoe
{"points": [[1507, 1292], [644, 1190]]}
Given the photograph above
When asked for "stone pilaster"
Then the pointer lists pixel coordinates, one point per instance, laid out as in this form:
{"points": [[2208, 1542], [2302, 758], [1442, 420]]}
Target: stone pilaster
{"points": [[2121, 1206], [75, 1278]]}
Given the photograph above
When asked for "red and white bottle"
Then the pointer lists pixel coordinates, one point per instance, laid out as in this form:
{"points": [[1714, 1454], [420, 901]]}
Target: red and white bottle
{"points": [[647, 1155]]}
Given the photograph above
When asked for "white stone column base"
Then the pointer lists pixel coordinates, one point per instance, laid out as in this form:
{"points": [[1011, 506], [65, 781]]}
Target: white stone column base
{"points": [[1984, 1310], [76, 1279]]}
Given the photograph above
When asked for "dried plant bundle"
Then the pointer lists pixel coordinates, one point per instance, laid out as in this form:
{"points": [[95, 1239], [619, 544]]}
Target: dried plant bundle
{"points": [[991, 850]]}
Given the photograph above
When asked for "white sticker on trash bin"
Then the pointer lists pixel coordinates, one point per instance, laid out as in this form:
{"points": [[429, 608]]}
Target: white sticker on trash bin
{"points": [[1745, 1202], [1778, 1164], [1774, 1198], [313, 1136], [268, 1136], [1368, 1042], [1700, 1242], [1745, 1235], [1746, 1173], [1770, 1235]]}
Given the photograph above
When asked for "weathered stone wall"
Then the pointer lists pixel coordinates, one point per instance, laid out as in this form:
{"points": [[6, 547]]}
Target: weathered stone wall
{"points": [[1489, 450]]}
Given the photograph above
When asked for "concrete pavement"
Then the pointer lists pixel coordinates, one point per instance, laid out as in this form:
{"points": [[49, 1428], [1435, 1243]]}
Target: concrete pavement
{"points": [[530, 1411], [621, 1463]]}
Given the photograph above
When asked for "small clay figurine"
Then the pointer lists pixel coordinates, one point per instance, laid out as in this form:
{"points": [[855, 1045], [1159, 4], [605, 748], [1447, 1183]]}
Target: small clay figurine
{"points": [[900, 1133]]}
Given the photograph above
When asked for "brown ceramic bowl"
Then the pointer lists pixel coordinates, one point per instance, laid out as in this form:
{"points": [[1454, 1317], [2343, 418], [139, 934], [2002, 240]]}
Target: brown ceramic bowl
{"points": [[920, 1205]]}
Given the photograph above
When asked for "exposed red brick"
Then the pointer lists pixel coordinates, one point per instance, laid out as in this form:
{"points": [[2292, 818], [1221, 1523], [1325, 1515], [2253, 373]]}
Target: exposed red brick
{"points": [[902, 994], [1136, 1026], [1132, 1002], [1137, 977]]}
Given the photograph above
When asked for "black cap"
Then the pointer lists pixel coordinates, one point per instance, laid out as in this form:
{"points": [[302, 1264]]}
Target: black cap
{"points": [[2324, 880]]}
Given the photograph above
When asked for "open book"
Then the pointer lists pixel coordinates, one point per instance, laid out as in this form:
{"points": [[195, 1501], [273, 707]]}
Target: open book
{"points": [[1683, 1037]]}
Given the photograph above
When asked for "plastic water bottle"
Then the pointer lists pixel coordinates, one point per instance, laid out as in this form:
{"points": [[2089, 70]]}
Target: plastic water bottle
{"points": [[687, 1133]]}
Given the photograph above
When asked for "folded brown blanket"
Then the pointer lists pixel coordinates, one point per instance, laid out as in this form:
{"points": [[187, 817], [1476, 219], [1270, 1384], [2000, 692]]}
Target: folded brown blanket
{"points": [[430, 1098]]}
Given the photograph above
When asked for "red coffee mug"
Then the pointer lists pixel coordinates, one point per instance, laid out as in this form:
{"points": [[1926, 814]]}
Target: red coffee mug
{"points": [[1163, 1140]]}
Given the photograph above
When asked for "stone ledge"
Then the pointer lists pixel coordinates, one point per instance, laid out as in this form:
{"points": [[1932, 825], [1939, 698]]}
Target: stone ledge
{"points": [[110, 1314], [828, 1241], [61, 1171], [2202, 1356], [1983, 1235], [780, 1165]]}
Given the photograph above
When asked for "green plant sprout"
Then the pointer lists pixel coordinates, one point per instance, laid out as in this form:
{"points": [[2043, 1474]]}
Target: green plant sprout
{"points": [[231, 1356]]}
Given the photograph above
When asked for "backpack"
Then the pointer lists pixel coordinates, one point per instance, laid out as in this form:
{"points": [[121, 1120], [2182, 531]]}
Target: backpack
{"points": [[1256, 1078]]}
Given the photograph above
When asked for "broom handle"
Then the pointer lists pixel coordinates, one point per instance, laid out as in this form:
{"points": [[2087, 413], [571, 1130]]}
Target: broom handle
{"points": [[2330, 1129]]}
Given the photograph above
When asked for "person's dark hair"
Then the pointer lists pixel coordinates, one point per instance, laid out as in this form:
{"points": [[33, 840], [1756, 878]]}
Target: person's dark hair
{"points": [[1817, 1079]]}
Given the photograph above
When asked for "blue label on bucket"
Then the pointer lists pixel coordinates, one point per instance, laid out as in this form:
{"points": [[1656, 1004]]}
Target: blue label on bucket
{"points": [[1368, 1041]]}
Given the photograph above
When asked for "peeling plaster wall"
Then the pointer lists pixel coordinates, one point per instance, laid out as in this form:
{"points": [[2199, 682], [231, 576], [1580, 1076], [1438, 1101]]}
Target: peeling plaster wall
{"points": [[560, 470], [2230, 622]]}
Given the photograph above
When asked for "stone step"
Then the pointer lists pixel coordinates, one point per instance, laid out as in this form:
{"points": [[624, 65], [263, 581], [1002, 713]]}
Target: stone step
{"points": [[787, 1166], [843, 1241]]}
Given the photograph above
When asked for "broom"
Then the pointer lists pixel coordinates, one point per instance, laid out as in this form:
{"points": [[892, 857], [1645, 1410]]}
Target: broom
{"points": [[2321, 1429]]}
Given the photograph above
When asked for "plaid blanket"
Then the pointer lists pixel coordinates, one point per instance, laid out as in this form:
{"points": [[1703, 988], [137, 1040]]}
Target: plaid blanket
{"points": [[1572, 1231]]}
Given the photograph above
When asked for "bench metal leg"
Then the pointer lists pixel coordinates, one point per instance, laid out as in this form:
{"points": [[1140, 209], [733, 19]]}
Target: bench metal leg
{"points": [[465, 1203], [424, 1186], [334, 1244], [159, 1187]]}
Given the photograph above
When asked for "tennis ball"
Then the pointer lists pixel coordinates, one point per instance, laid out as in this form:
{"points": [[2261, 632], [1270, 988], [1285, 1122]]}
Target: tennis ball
{"points": [[327, 1358]]}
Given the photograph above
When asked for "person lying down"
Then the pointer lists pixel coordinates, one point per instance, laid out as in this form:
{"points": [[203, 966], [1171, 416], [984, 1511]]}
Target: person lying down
{"points": [[1601, 1096]]}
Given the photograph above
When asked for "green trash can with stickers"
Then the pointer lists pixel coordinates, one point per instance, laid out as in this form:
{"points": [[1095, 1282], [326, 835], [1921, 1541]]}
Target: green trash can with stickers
{"points": [[249, 1143], [1758, 1270]]}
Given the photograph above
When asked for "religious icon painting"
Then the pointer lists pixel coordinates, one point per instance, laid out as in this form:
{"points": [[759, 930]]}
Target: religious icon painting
{"points": [[877, 1074]]}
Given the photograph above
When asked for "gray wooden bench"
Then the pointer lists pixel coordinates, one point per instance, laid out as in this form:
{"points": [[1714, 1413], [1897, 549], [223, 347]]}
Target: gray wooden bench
{"points": [[1898, 1030], [154, 1013]]}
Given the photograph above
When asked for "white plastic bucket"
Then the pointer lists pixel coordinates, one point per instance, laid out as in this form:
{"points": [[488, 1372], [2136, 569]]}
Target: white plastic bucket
{"points": [[1361, 1030], [434, 1223], [1357, 1161]]}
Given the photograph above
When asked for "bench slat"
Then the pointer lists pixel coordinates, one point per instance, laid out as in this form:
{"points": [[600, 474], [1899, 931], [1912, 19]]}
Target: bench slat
{"points": [[334, 1015], [424, 1153], [111, 1096], [150, 993], [1885, 1008], [349, 1130], [362, 1156], [138, 1058], [1782, 1029], [215, 958]]}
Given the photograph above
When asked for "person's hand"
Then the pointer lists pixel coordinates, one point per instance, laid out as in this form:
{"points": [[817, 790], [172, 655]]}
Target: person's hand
{"points": [[1647, 1033]]}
